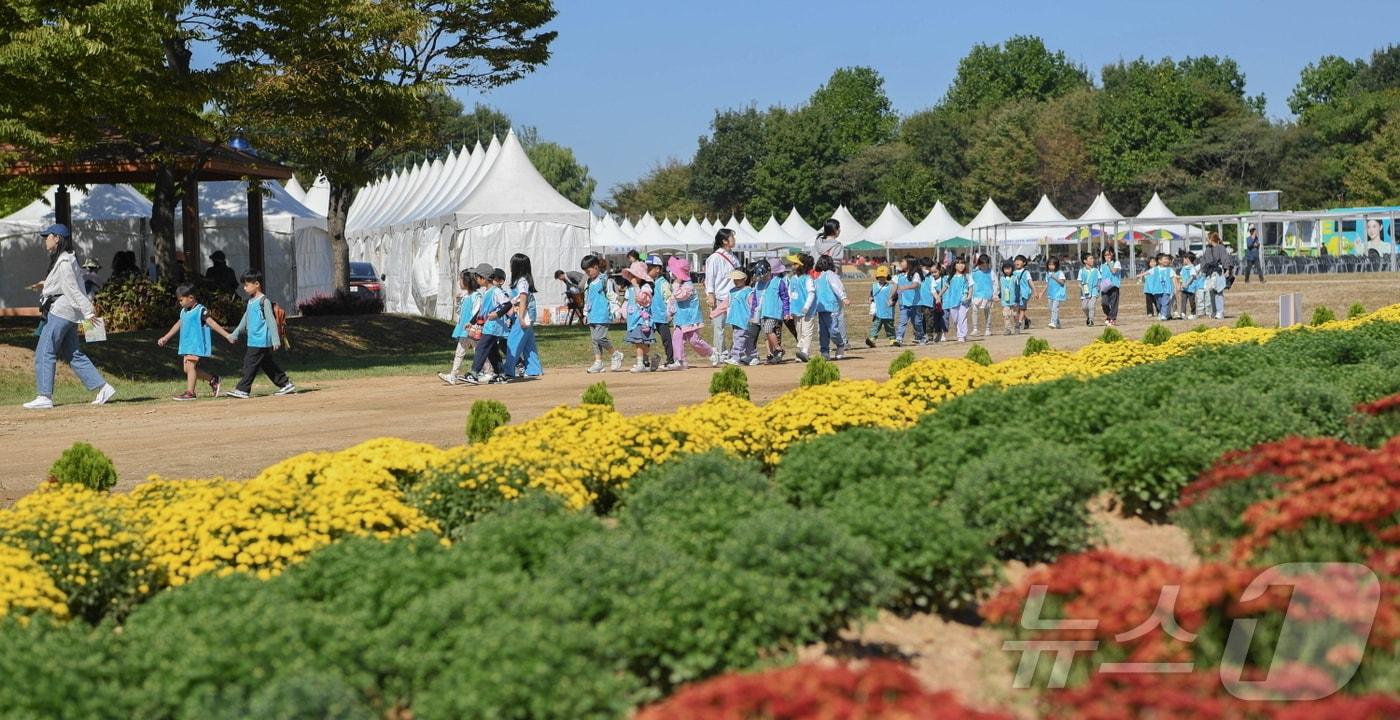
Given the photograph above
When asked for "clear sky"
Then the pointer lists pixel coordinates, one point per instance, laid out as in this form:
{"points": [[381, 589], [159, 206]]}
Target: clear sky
{"points": [[633, 82]]}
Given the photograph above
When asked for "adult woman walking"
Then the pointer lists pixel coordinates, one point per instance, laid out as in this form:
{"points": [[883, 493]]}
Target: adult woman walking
{"points": [[63, 304], [1216, 264], [1110, 285], [717, 283]]}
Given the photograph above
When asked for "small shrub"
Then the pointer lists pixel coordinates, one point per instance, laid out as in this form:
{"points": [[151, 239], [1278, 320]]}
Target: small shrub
{"points": [[1110, 335], [341, 303], [1035, 346], [1200, 328], [1245, 321], [597, 394], [133, 302], [84, 465], [820, 371], [1032, 503], [1156, 335], [1322, 314], [1355, 311], [979, 355], [694, 502], [813, 471], [1149, 462], [732, 380], [904, 360], [485, 417]]}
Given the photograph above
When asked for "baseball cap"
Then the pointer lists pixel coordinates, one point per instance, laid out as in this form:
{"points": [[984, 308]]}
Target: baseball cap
{"points": [[882, 272], [58, 229], [737, 275], [655, 259], [483, 270]]}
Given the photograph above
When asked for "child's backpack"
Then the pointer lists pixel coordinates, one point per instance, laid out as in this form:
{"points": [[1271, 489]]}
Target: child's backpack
{"points": [[280, 317]]}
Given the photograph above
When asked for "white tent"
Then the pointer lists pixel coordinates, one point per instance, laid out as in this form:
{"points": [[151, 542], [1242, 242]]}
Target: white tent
{"points": [[106, 219], [1152, 218], [1025, 240], [294, 189], [296, 246], [318, 196], [890, 225], [1101, 211], [798, 228], [938, 226], [774, 237], [852, 231], [692, 237], [608, 237], [627, 227], [708, 226]]}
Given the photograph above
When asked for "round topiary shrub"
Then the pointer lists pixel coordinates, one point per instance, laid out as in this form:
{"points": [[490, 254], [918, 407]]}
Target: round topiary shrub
{"points": [[84, 465], [979, 355], [1035, 346], [1156, 335], [484, 418], [1355, 311], [1110, 335], [1322, 314], [597, 394], [1245, 321], [732, 380], [904, 360], [820, 371]]}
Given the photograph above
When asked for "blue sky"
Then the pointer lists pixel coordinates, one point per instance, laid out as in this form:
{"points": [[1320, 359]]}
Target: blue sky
{"points": [[633, 82]]}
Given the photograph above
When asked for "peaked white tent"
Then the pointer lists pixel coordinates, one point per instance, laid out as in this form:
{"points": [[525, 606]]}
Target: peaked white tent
{"points": [[890, 225], [295, 189], [936, 227], [1101, 211], [852, 231], [627, 227], [318, 196], [1025, 240], [798, 227], [774, 237], [608, 237], [1156, 217]]}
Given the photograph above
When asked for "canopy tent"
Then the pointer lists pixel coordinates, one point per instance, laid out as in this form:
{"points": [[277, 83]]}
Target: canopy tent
{"points": [[318, 196], [774, 237], [1155, 223], [746, 239], [627, 227], [296, 246], [937, 227], [957, 242], [890, 225], [864, 246], [1025, 240], [294, 189], [608, 238], [851, 230], [984, 228], [1100, 212], [798, 228]]}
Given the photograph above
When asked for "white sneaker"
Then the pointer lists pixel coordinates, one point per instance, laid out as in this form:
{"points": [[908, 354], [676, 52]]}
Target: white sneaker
{"points": [[840, 354], [638, 368], [103, 395], [754, 361], [39, 403], [714, 359], [287, 389], [677, 365], [988, 333], [448, 378], [1190, 317], [617, 358], [596, 367]]}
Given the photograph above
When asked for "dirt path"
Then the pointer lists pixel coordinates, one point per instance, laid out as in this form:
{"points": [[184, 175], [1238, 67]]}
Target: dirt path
{"points": [[236, 439]]}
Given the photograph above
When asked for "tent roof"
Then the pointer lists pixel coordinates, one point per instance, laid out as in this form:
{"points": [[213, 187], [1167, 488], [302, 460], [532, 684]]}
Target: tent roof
{"points": [[318, 196], [692, 237], [295, 189], [1044, 212], [1156, 209], [798, 227], [100, 202], [989, 215], [513, 190], [864, 245], [938, 226], [890, 225], [1101, 211], [229, 199], [851, 230], [627, 227], [773, 236]]}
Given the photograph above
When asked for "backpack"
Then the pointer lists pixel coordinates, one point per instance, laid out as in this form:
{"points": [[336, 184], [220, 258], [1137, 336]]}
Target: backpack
{"points": [[280, 317]]}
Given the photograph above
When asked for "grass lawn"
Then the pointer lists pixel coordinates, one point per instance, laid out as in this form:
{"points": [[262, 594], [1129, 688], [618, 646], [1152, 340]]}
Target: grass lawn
{"points": [[323, 348]]}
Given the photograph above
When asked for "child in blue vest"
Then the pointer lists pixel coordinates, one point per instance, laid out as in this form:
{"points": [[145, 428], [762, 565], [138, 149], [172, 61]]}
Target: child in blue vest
{"points": [[881, 307], [1110, 285], [984, 293], [739, 316], [195, 342], [685, 312], [597, 311], [495, 313], [1022, 290], [637, 306], [802, 293], [470, 290], [1088, 287], [1158, 285], [661, 308], [907, 284], [263, 339], [1191, 284], [930, 285], [957, 296], [774, 306], [1007, 288], [1055, 290], [831, 308]]}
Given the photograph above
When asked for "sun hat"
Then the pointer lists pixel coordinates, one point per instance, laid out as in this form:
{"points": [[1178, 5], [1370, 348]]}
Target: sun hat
{"points": [[218, 256], [92, 264], [778, 267], [794, 259], [637, 270], [882, 272], [680, 267], [738, 275], [58, 229]]}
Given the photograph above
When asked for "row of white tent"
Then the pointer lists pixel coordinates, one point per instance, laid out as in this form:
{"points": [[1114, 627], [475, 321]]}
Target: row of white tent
{"points": [[422, 225], [991, 227], [108, 219]]}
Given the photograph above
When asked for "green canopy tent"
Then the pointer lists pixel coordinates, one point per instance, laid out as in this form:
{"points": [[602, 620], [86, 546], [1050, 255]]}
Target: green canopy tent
{"points": [[865, 246], [957, 242]]}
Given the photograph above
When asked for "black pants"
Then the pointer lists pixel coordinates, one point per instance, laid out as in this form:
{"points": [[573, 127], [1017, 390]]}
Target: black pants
{"points": [[664, 330], [261, 358], [1258, 268], [1109, 298], [489, 348]]}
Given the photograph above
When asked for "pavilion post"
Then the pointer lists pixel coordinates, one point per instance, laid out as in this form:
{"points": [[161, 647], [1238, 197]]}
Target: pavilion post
{"points": [[63, 207], [189, 217], [255, 228]]}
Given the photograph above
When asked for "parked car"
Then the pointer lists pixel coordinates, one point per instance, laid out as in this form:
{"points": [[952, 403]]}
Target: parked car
{"points": [[365, 282]]}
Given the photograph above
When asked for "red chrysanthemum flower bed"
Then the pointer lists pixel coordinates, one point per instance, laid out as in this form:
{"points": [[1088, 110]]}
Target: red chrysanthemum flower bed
{"points": [[1387, 404], [1199, 696]]}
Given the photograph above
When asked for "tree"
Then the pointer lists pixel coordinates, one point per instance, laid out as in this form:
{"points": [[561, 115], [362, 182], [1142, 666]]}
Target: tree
{"points": [[1371, 176], [878, 174], [722, 173], [799, 150], [1019, 69], [1062, 131], [665, 190], [853, 101], [938, 140], [1003, 161], [559, 166], [349, 82], [450, 128], [1323, 81]]}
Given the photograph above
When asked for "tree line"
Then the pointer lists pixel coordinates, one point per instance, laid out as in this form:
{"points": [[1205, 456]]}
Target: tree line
{"points": [[1020, 120]]}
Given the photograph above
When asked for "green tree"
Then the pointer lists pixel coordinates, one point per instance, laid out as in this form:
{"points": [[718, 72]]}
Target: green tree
{"points": [[563, 171], [853, 101], [1063, 130], [722, 173], [665, 190], [1371, 177], [1323, 81], [1019, 69], [939, 140], [347, 85], [799, 151], [1004, 162]]}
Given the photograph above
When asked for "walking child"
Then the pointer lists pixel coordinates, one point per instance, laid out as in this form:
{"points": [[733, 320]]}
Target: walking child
{"points": [[661, 308], [685, 311], [1110, 285], [469, 287], [1022, 291], [1192, 285], [881, 307], [260, 321], [929, 289], [802, 292], [774, 305], [195, 342], [984, 292], [1055, 290], [495, 308], [1088, 287], [831, 308], [522, 354], [597, 311], [957, 297], [637, 306], [740, 317], [907, 284]]}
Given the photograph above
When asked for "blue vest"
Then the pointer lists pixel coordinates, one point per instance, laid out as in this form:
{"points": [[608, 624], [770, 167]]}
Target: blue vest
{"points": [[194, 334], [739, 300], [1053, 289], [1111, 274], [634, 310], [982, 285], [598, 311], [466, 310], [926, 289], [1008, 290], [1088, 282], [660, 311], [493, 298], [1190, 279], [771, 303], [797, 292], [687, 311], [826, 297], [881, 295], [957, 290], [907, 298]]}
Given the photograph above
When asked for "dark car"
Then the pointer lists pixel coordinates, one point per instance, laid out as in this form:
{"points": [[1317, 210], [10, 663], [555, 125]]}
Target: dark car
{"points": [[365, 282]]}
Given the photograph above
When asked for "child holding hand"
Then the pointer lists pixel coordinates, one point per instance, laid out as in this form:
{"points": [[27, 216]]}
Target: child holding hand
{"points": [[195, 341]]}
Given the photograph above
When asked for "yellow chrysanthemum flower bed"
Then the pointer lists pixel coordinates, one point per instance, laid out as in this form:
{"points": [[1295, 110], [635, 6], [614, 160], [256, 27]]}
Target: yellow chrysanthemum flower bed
{"points": [[167, 532]]}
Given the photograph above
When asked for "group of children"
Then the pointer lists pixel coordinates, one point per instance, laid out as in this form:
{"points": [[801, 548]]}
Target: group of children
{"points": [[940, 302], [495, 321], [196, 342], [1174, 293]]}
